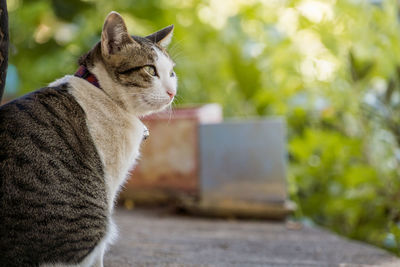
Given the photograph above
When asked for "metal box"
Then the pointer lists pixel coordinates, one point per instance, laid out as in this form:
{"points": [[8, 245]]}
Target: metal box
{"points": [[231, 168], [243, 159], [243, 168]]}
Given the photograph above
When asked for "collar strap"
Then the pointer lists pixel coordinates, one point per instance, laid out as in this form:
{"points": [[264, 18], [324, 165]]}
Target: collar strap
{"points": [[84, 73]]}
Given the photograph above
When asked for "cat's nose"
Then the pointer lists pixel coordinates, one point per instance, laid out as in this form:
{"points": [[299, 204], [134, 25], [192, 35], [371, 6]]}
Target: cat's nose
{"points": [[171, 94]]}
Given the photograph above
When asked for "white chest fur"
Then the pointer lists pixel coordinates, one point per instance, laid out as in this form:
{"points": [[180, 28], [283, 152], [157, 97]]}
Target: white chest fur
{"points": [[116, 134]]}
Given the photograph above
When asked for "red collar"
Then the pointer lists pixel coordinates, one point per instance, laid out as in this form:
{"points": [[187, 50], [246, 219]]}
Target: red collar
{"points": [[84, 73]]}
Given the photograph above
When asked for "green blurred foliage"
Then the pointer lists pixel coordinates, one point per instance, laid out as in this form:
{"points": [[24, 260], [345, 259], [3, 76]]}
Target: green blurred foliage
{"points": [[332, 68]]}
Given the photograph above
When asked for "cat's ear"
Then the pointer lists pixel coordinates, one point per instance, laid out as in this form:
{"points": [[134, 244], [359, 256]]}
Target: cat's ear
{"points": [[162, 37], [114, 36]]}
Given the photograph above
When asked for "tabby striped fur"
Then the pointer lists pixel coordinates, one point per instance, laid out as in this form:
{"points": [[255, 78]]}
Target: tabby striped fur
{"points": [[65, 150]]}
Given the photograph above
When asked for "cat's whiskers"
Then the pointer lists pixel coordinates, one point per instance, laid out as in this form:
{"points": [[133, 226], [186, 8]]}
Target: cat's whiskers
{"points": [[175, 46], [176, 52], [178, 57], [178, 97], [169, 111]]}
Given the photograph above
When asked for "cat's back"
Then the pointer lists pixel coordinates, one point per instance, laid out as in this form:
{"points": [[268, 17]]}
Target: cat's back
{"points": [[53, 205]]}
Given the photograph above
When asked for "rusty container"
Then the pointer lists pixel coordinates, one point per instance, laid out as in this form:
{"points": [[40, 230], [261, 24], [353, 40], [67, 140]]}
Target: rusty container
{"points": [[169, 165]]}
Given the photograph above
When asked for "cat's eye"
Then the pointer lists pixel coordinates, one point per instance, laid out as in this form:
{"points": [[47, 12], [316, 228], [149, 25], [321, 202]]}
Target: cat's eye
{"points": [[150, 70], [172, 74], [129, 71]]}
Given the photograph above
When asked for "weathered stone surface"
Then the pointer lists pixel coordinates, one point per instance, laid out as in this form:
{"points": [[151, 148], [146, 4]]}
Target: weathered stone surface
{"points": [[156, 238]]}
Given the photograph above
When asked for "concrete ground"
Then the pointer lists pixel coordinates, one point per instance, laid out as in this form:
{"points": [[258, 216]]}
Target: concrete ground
{"points": [[157, 238]]}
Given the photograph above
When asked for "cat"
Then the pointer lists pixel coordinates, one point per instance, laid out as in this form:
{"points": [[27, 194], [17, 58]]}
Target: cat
{"points": [[65, 150]]}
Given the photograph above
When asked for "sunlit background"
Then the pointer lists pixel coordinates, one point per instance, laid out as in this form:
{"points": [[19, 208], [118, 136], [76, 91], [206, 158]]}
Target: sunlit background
{"points": [[331, 68]]}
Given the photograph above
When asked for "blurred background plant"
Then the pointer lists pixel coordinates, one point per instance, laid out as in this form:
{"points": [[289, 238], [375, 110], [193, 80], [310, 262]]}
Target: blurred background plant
{"points": [[332, 68]]}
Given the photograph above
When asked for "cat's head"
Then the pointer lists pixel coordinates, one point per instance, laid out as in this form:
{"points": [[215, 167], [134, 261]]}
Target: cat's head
{"points": [[135, 71]]}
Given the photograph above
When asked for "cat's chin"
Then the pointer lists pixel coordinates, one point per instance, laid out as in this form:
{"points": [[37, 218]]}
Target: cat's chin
{"points": [[153, 110], [164, 107]]}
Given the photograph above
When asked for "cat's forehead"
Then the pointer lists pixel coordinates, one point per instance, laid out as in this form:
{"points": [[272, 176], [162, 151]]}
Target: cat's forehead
{"points": [[163, 61], [147, 52]]}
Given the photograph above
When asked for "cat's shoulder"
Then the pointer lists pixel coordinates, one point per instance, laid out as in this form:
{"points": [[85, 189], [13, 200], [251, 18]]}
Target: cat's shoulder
{"points": [[52, 99]]}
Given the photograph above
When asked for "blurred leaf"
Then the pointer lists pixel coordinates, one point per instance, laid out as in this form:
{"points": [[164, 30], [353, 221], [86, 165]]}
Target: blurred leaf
{"points": [[68, 9]]}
